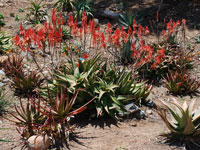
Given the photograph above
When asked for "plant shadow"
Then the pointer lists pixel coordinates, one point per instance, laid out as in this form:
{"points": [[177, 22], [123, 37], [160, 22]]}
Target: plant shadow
{"points": [[187, 145], [102, 122]]}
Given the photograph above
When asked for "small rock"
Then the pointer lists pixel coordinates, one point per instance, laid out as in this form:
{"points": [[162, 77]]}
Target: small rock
{"points": [[39, 27], [25, 54], [38, 142], [110, 14], [1, 5], [1, 84], [133, 124], [149, 112], [96, 22], [3, 59], [5, 80], [2, 75], [8, 1], [46, 73]]}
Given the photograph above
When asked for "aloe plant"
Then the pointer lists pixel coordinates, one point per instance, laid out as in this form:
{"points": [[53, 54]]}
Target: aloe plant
{"points": [[36, 11], [181, 83], [50, 115], [27, 84], [126, 53], [5, 43], [2, 23], [83, 6], [13, 66], [27, 118], [128, 18], [111, 89], [64, 5], [185, 123], [58, 111]]}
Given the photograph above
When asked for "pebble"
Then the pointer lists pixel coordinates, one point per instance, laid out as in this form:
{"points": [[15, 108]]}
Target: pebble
{"points": [[38, 142], [46, 73], [1, 84], [149, 112], [1, 5], [96, 22], [2, 75]]}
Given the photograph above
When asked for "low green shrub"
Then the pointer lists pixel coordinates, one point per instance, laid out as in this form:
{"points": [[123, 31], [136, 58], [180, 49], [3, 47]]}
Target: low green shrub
{"points": [[111, 89]]}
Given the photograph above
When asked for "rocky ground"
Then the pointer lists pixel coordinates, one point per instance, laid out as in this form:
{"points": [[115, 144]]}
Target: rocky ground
{"points": [[104, 134]]}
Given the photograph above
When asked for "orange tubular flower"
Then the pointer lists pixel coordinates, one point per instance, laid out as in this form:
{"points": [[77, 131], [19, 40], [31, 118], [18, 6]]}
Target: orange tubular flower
{"points": [[70, 21], [163, 32], [161, 52], [116, 37], [85, 56], [146, 30], [75, 28], [92, 26], [109, 29], [129, 30], [21, 30], [63, 21], [103, 43], [183, 21], [53, 16], [134, 24], [84, 22], [16, 40]]}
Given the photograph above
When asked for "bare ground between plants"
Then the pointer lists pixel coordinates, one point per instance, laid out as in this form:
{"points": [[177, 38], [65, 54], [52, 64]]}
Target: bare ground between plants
{"points": [[106, 134], [100, 134]]}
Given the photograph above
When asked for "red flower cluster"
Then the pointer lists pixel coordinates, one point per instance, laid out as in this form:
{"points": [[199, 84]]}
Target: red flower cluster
{"points": [[50, 32], [143, 53], [172, 28]]}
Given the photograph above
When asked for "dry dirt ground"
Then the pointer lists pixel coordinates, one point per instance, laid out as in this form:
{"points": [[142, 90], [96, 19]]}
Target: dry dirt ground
{"points": [[106, 134]]}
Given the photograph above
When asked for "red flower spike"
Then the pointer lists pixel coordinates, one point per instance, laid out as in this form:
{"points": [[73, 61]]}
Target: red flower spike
{"points": [[146, 30], [63, 21], [109, 29], [53, 16], [134, 23], [103, 43], [129, 30], [125, 37], [21, 30], [75, 28], [16, 40], [80, 35], [116, 37], [85, 56], [122, 29], [177, 23], [183, 21], [70, 20], [84, 13], [163, 32], [161, 52]]}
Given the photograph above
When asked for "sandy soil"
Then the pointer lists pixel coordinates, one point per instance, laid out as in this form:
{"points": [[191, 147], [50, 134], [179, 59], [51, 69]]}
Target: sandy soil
{"points": [[103, 134]]}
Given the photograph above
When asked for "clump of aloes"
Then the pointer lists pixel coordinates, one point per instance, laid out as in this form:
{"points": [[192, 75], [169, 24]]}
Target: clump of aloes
{"points": [[49, 116], [184, 124], [181, 83], [167, 31], [118, 43], [46, 40]]}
